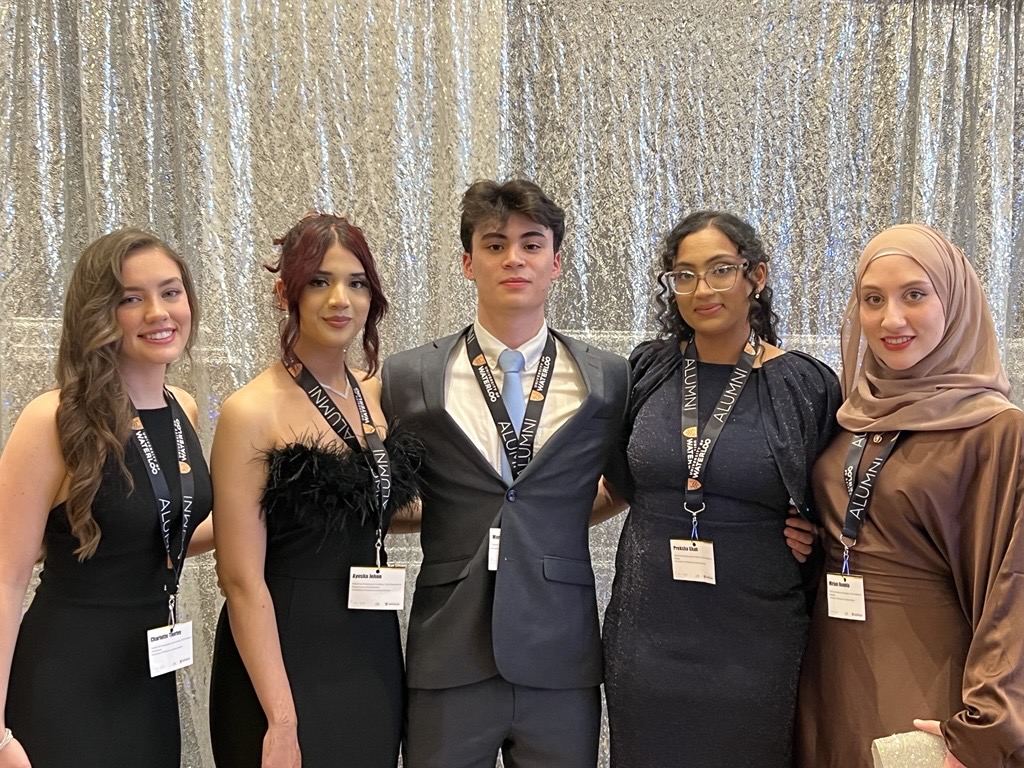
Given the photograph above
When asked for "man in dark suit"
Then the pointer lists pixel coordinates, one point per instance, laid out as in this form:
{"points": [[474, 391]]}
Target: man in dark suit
{"points": [[504, 650]]}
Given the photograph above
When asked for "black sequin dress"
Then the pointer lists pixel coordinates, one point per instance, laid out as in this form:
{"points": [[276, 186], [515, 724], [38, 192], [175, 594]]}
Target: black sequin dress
{"points": [[344, 666], [80, 693], [699, 675]]}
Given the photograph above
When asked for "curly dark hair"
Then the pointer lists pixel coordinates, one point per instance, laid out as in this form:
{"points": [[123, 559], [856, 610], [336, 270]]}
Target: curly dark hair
{"points": [[762, 319]]}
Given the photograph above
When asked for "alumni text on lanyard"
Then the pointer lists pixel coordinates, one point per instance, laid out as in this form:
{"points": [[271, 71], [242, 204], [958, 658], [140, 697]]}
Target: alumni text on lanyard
{"points": [[518, 448], [699, 446], [169, 507], [376, 455], [861, 493], [844, 592]]}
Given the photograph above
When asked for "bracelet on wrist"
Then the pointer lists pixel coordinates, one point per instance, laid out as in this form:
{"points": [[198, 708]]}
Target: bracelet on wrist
{"points": [[7, 739]]}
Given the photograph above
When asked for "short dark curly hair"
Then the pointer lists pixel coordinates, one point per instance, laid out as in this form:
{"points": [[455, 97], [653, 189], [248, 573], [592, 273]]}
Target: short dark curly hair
{"points": [[762, 319]]}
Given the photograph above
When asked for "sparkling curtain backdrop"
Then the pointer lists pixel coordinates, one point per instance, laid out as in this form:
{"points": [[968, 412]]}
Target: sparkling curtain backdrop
{"points": [[217, 124]]}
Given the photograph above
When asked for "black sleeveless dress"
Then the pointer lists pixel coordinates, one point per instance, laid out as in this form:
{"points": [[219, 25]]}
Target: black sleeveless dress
{"points": [[80, 693], [344, 666]]}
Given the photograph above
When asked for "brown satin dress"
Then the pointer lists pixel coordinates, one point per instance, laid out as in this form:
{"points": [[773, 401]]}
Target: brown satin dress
{"points": [[942, 556]]}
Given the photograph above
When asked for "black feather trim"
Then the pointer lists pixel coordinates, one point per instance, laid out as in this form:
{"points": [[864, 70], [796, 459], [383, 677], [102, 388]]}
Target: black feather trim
{"points": [[321, 485]]}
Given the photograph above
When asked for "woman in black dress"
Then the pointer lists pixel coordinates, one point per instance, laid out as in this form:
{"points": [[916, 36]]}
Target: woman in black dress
{"points": [[299, 676], [708, 614], [75, 480]]}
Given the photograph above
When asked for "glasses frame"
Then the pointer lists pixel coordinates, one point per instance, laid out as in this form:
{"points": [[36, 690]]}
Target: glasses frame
{"points": [[669, 278]]}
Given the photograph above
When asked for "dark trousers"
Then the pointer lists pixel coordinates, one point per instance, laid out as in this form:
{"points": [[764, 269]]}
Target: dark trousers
{"points": [[465, 727]]}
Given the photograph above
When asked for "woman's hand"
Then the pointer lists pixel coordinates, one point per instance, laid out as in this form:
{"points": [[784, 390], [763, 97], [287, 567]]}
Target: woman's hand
{"points": [[281, 747], [13, 756], [800, 536], [932, 726]]}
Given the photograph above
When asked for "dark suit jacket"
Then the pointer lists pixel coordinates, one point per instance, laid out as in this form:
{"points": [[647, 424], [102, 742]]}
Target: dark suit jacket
{"points": [[534, 620]]}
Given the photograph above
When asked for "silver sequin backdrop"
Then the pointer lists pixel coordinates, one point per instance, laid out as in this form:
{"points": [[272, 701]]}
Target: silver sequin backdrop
{"points": [[217, 123]]}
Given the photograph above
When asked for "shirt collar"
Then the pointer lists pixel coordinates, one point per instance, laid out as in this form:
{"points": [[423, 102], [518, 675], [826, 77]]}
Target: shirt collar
{"points": [[492, 347]]}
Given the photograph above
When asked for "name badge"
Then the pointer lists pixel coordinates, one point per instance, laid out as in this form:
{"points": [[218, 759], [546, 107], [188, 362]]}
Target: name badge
{"points": [[493, 546], [693, 561], [376, 589], [845, 596], [170, 648]]}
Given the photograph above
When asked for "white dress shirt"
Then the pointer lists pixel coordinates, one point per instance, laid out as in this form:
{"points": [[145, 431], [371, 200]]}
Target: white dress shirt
{"points": [[465, 402]]}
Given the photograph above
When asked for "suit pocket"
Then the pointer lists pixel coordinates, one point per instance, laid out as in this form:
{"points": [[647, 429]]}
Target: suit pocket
{"points": [[569, 571], [435, 574]]}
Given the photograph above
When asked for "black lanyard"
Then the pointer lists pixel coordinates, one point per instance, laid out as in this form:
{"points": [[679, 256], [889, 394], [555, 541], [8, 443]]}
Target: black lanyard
{"points": [[699, 446], [518, 447], [861, 493], [161, 490], [376, 454]]}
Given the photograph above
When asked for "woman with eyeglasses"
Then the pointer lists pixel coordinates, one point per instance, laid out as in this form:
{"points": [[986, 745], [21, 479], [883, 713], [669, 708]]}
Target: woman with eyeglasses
{"points": [[708, 614]]}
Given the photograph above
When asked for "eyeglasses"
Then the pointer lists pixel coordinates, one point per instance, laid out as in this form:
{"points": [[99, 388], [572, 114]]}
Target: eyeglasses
{"points": [[719, 278]]}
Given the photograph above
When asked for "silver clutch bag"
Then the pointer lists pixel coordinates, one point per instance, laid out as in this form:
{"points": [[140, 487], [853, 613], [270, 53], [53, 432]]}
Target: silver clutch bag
{"points": [[915, 749]]}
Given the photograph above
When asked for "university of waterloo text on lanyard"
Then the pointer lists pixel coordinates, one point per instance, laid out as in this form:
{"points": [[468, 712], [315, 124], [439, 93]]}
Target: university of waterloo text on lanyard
{"points": [[372, 588], [518, 447], [845, 592], [694, 559], [169, 647]]}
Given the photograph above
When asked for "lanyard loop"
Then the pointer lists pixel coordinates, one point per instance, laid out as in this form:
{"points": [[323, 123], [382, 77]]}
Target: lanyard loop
{"points": [[519, 447], [698, 445], [376, 454], [167, 507]]}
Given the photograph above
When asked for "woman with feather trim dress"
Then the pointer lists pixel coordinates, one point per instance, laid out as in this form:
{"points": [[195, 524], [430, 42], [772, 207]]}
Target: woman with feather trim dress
{"points": [[305, 488]]}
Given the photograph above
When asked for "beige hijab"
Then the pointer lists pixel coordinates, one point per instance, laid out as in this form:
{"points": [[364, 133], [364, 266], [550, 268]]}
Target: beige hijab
{"points": [[960, 383]]}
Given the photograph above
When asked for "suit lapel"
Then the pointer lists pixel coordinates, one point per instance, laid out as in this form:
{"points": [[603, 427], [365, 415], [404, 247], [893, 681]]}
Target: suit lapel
{"points": [[434, 364], [593, 377]]}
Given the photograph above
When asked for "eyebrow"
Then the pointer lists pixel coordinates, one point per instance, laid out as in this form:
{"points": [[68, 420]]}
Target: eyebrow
{"points": [[911, 284], [328, 273], [710, 260], [161, 284], [503, 236]]}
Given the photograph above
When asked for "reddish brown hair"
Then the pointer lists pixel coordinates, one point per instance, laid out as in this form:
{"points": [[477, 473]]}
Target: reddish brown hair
{"points": [[302, 251]]}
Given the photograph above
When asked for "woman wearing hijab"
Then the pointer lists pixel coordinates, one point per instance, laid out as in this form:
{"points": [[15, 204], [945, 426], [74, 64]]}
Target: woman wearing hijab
{"points": [[920, 615]]}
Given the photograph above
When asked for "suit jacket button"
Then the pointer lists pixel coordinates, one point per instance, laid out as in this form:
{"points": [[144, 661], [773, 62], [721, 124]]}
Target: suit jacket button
{"points": [[511, 495]]}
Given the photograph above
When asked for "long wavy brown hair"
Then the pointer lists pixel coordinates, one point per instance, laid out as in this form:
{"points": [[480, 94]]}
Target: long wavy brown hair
{"points": [[94, 414]]}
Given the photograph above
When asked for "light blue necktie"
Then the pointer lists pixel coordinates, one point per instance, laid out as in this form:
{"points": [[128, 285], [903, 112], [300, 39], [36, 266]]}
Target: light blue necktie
{"points": [[512, 362]]}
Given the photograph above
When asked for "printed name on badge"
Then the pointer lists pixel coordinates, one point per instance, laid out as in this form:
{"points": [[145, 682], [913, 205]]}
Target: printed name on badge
{"points": [[693, 560], [493, 548], [376, 589], [845, 597], [170, 648]]}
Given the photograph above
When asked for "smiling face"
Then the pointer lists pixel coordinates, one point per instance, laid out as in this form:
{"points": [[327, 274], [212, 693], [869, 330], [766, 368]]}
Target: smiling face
{"points": [[717, 317], [512, 265], [335, 303], [153, 313], [901, 315]]}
